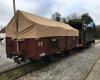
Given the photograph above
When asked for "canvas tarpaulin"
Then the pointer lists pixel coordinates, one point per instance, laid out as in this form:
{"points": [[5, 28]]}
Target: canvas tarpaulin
{"points": [[26, 25]]}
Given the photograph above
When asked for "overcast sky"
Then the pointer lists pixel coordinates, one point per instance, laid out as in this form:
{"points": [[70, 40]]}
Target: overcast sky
{"points": [[46, 8]]}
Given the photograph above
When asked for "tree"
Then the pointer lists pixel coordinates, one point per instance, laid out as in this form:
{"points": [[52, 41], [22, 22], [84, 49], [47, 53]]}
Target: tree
{"points": [[56, 16], [64, 20], [86, 19]]}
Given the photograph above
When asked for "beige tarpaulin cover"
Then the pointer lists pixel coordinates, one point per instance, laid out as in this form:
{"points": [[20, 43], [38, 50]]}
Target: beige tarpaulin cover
{"points": [[32, 26]]}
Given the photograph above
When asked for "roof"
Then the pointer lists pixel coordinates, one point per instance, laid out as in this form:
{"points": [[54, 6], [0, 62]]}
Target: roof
{"points": [[45, 21], [32, 26]]}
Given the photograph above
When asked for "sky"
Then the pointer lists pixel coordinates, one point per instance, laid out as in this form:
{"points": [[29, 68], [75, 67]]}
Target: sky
{"points": [[46, 8]]}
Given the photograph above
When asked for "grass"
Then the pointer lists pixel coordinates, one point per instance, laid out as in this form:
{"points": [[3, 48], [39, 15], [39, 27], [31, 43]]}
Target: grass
{"points": [[19, 72], [97, 38], [15, 73]]}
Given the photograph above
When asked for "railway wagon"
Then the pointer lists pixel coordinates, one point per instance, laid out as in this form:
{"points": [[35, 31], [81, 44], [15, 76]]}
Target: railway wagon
{"points": [[31, 37]]}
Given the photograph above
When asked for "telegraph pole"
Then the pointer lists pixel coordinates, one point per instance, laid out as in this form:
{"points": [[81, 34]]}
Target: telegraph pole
{"points": [[14, 9], [14, 6]]}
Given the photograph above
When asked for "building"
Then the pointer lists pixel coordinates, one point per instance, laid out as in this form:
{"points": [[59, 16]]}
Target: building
{"points": [[2, 35]]}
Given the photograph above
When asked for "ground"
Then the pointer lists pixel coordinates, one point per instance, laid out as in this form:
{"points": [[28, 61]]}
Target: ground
{"points": [[3, 58], [74, 67], [5, 63], [95, 73]]}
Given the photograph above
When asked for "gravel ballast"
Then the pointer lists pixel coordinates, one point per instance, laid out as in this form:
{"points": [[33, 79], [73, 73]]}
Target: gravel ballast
{"points": [[74, 67]]}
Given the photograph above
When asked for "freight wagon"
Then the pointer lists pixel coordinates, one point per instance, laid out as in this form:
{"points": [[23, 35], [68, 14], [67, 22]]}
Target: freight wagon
{"points": [[30, 37]]}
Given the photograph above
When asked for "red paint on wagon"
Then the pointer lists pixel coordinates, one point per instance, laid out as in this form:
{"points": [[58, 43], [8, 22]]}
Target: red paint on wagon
{"points": [[35, 48]]}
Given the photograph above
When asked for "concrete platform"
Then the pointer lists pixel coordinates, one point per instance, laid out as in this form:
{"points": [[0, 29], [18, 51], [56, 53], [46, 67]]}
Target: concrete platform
{"points": [[3, 58], [95, 73], [6, 63]]}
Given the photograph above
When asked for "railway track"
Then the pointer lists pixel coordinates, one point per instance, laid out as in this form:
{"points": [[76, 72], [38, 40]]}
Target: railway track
{"points": [[17, 72], [2, 72], [20, 71]]}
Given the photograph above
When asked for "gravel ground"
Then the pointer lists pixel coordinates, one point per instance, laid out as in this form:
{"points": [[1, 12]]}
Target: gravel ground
{"points": [[74, 67], [95, 73]]}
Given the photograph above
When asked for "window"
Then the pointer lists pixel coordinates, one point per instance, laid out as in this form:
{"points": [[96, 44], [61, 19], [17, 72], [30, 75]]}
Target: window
{"points": [[54, 43]]}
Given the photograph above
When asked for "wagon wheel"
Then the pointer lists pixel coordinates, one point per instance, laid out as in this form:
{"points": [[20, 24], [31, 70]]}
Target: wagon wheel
{"points": [[16, 59]]}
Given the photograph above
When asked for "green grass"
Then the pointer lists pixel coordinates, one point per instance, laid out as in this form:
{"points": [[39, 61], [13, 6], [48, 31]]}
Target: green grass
{"points": [[19, 72], [97, 38], [15, 73]]}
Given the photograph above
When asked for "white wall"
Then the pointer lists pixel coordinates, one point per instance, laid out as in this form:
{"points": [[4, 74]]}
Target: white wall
{"points": [[2, 35]]}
